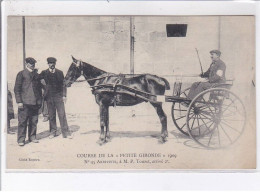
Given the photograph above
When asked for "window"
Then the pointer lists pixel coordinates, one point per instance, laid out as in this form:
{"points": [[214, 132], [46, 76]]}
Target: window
{"points": [[176, 30]]}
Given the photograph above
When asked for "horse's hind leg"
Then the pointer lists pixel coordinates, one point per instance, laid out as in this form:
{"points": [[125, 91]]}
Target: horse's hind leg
{"points": [[163, 120], [107, 122], [102, 122]]}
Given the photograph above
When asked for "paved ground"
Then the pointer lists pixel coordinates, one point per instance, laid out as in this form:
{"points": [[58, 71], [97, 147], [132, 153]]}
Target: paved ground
{"points": [[135, 136]]}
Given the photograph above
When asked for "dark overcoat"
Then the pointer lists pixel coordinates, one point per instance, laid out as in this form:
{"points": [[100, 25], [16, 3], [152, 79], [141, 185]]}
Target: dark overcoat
{"points": [[61, 90], [22, 84]]}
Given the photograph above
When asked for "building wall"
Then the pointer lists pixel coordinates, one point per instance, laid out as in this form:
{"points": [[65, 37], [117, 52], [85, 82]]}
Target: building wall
{"points": [[158, 53], [105, 43]]}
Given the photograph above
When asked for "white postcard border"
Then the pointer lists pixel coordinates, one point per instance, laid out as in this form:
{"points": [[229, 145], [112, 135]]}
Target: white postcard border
{"points": [[123, 180]]}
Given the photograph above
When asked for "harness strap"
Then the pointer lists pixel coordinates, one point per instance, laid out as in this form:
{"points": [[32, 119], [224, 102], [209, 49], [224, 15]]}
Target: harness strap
{"points": [[114, 89]]}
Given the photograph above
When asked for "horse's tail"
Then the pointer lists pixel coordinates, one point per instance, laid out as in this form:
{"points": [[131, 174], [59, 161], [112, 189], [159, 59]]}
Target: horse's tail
{"points": [[159, 80], [167, 85]]}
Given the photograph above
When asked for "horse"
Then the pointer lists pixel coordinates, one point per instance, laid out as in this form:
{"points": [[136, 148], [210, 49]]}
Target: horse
{"points": [[98, 80]]}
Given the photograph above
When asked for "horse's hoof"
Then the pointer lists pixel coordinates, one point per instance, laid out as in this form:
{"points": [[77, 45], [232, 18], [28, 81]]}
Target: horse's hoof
{"points": [[101, 142], [108, 139], [108, 136], [101, 137], [162, 140]]}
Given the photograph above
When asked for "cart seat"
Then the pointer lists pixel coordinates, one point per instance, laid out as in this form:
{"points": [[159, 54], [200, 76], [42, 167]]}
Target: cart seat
{"points": [[227, 85]]}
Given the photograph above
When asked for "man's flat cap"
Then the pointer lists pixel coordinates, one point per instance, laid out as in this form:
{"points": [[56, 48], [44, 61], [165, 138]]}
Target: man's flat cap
{"points": [[215, 51], [30, 60], [51, 60]]}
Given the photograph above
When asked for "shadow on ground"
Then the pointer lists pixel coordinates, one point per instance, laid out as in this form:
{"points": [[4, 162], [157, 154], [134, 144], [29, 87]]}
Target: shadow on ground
{"points": [[186, 140], [44, 134], [129, 134]]}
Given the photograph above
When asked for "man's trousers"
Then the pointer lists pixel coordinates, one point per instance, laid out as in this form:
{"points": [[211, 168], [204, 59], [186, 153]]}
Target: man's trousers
{"points": [[57, 104], [197, 88], [28, 115]]}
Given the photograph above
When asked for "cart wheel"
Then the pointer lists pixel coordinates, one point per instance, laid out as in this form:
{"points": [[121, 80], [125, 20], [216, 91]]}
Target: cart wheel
{"points": [[179, 110], [216, 118]]}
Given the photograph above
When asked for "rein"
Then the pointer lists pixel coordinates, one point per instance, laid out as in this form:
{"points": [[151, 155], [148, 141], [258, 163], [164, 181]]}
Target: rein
{"points": [[92, 79]]}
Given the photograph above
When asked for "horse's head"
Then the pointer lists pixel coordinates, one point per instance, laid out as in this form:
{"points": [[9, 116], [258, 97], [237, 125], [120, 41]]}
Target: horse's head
{"points": [[73, 73]]}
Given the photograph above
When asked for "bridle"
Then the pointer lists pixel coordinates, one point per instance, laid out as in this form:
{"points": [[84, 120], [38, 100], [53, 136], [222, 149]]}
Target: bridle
{"points": [[80, 66], [81, 70]]}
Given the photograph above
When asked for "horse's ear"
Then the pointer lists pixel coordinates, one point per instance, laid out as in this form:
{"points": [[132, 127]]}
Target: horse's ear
{"points": [[73, 58]]}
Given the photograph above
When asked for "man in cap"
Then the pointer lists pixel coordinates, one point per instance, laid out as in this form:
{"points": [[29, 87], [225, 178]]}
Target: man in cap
{"points": [[28, 95], [55, 95], [215, 74]]}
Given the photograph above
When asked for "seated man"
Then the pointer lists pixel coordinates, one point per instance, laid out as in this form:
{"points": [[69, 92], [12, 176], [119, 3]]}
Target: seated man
{"points": [[215, 74]]}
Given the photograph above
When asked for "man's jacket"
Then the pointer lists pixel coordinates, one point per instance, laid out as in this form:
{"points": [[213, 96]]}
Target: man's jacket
{"points": [[216, 72], [28, 88], [54, 84]]}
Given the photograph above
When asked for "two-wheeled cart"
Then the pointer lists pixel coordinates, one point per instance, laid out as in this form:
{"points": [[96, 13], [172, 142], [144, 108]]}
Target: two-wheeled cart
{"points": [[214, 119]]}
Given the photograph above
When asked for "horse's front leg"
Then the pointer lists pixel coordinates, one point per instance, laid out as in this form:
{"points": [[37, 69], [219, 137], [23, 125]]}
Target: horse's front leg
{"points": [[102, 122], [107, 123], [163, 120]]}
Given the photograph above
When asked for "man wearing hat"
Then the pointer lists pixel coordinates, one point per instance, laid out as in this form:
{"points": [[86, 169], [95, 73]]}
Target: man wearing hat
{"points": [[55, 95], [215, 74], [28, 95]]}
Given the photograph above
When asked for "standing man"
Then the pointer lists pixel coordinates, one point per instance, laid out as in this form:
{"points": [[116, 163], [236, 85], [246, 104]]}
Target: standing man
{"points": [[55, 96], [28, 95], [215, 74]]}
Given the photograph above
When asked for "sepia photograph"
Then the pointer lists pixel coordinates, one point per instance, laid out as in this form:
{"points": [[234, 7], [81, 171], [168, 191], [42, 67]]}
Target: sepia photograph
{"points": [[130, 93]]}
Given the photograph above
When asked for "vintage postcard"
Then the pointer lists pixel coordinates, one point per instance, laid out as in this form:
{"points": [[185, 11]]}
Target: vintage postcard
{"points": [[130, 92]]}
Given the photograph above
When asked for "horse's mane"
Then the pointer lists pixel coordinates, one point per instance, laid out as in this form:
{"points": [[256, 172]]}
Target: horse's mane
{"points": [[91, 71]]}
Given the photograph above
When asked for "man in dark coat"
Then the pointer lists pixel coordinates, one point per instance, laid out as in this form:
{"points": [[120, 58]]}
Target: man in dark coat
{"points": [[215, 74], [28, 95], [55, 95]]}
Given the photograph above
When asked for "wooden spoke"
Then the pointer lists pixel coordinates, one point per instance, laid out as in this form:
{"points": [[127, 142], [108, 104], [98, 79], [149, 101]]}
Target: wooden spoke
{"points": [[207, 105], [202, 119], [232, 119], [183, 125], [206, 113], [208, 128], [193, 123], [210, 138], [230, 127], [180, 118], [218, 137], [180, 110], [227, 106], [185, 94], [209, 118], [226, 133], [198, 124], [216, 110], [203, 107], [191, 116]]}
